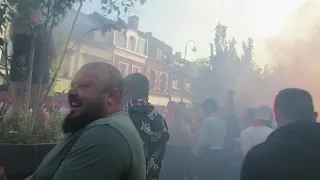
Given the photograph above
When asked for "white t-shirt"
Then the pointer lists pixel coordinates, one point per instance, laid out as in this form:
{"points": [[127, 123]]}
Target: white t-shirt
{"points": [[253, 136]]}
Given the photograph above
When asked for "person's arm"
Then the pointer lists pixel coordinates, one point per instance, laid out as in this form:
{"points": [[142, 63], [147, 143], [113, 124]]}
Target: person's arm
{"points": [[151, 130], [242, 141], [202, 138], [100, 153]]}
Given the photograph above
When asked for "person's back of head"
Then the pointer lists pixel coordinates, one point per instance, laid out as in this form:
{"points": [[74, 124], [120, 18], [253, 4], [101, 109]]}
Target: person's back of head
{"points": [[210, 106], [248, 117], [293, 104], [136, 87], [264, 115], [182, 105]]}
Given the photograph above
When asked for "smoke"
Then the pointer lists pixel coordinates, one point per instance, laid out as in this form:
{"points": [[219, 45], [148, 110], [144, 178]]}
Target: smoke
{"points": [[296, 52]]}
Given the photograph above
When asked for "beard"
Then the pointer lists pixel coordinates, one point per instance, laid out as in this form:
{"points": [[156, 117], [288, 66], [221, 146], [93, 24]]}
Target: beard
{"points": [[73, 123]]}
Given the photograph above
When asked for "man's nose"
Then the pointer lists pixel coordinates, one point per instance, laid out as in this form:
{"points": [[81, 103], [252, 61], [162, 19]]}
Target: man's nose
{"points": [[72, 92]]}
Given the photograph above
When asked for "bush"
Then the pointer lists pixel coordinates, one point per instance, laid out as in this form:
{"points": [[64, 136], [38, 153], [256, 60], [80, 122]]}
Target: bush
{"points": [[19, 130]]}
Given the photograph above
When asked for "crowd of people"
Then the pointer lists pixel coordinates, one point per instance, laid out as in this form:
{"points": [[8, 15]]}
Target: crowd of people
{"points": [[113, 132]]}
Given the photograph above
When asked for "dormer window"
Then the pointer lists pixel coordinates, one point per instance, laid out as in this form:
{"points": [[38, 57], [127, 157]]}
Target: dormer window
{"points": [[159, 54], [132, 43]]}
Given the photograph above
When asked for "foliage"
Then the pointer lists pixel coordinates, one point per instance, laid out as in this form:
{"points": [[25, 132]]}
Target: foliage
{"points": [[22, 131], [56, 9], [225, 69], [23, 128]]}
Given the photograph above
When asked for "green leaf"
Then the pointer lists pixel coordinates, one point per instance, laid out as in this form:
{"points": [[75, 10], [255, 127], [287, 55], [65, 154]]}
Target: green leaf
{"points": [[103, 8], [109, 11]]}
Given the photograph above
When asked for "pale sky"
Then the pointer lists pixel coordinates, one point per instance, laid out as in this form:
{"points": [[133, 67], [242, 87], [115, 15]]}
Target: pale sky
{"points": [[177, 21]]}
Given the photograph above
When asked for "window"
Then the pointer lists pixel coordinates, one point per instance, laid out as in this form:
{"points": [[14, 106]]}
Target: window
{"points": [[188, 87], [132, 43], [163, 81], [123, 68], [152, 78], [174, 83], [180, 83], [136, 69], [159, 54]]}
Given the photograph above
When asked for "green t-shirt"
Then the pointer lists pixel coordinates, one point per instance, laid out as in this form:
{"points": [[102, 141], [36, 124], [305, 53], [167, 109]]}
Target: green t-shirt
{"points": [[106, 149]]}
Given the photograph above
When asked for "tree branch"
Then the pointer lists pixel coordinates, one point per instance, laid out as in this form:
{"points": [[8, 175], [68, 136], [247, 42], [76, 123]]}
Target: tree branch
{"points": [[64, 52]]}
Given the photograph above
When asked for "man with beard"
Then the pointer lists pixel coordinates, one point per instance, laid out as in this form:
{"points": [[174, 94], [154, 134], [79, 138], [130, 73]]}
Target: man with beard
{"points": [[150, 124], [292, 151], [101, 141]]}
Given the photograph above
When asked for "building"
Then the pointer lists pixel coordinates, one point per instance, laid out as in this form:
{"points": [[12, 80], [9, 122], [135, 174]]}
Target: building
{"points": [[130, 50]]}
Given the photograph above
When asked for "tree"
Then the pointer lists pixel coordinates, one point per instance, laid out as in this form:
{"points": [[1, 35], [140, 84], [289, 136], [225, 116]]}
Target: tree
{"points": [[53, 10], [226, 70]]}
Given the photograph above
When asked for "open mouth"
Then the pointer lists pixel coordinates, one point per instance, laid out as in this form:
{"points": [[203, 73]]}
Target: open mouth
{"points": [[74, 103]]}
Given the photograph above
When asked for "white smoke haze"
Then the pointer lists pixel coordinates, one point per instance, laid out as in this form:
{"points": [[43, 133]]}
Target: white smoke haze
{"points": [[295, 52], [295, 57]]}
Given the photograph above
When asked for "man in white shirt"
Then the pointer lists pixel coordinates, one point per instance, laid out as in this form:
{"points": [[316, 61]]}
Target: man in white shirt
{"points": [[210, 143], [259, 131]]}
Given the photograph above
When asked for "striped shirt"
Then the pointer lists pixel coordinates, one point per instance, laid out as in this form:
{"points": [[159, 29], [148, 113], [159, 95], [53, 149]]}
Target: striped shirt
{"points": [[212, 134]]}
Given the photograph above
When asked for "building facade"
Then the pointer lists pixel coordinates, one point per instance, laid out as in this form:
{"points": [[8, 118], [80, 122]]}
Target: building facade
{"points": [[128, 49]]}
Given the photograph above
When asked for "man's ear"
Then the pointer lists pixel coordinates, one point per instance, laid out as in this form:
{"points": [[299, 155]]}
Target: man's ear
{"points": [[280, 120], [113, 96]]}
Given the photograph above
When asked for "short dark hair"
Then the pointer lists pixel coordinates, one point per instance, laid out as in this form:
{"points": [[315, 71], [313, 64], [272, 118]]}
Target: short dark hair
{"points": [[294, 104], [137, 85], [211, 103]]}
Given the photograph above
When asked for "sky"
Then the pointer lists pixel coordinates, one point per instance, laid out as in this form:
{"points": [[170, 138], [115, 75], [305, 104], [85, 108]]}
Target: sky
{"points": [[177, 21]]}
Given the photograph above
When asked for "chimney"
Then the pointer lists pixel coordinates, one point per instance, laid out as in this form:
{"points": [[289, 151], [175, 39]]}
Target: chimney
{"points": [[178, 54], [133, 22]]}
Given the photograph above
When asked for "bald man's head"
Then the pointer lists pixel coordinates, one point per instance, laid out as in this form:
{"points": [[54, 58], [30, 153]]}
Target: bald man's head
{"points": [[105, 75], [96, 91]]}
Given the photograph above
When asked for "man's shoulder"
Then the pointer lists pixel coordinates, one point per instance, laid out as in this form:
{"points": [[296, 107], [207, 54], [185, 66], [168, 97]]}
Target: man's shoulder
{"points": [[249, 129], [98, 131], [260, 152], [119, 122], [151, 118], [213, 120]]}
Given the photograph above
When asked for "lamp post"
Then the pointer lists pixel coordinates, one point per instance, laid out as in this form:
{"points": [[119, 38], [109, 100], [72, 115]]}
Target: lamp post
{"points": [[194, 49]]}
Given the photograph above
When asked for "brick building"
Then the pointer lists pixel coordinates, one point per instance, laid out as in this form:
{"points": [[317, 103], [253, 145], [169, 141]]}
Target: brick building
{"points": [[130, 50]]}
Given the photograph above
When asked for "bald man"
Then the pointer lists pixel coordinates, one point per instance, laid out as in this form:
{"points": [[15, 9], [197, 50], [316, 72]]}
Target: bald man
{"points": [[101, 141]]}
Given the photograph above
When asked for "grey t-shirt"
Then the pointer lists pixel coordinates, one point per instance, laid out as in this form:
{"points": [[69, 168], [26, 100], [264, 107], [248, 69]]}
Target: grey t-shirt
{"points": [[108, 148]]}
